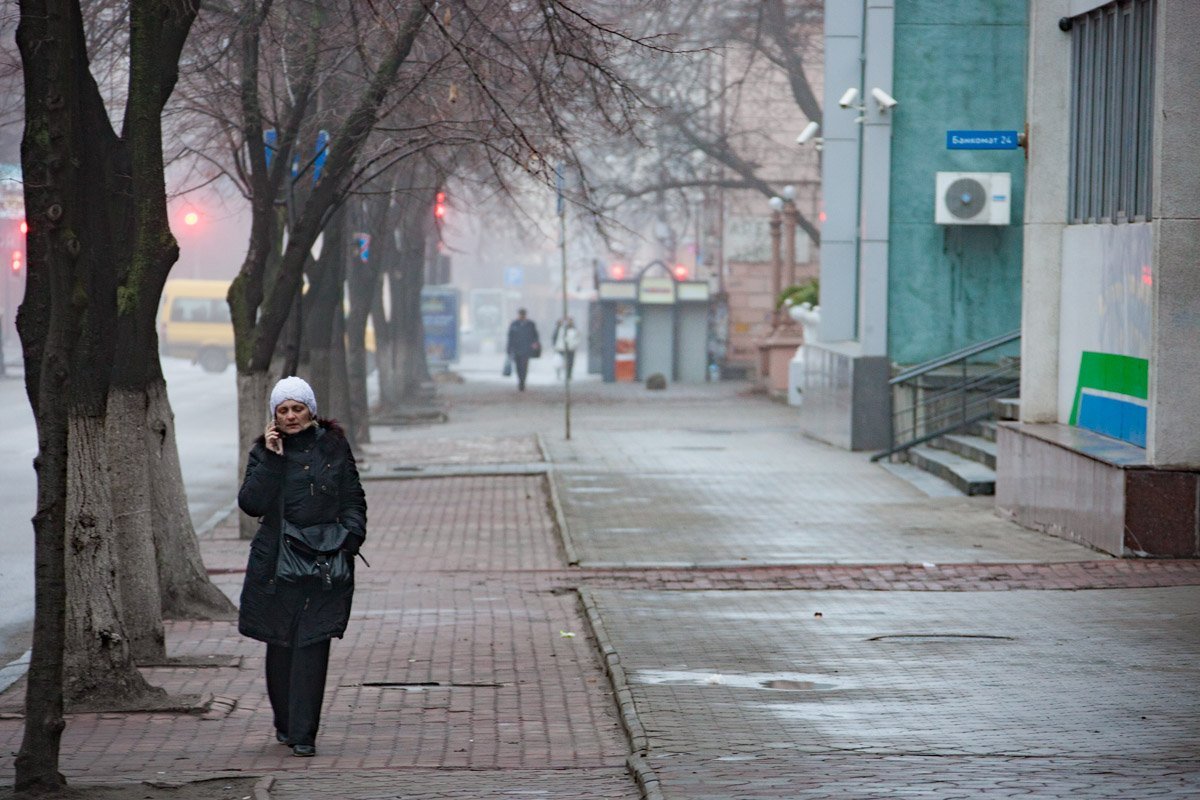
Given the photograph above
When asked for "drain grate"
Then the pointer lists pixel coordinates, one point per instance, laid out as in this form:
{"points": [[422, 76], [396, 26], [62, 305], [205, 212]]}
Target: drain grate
{"points": [[418, 685], [937, 637]]}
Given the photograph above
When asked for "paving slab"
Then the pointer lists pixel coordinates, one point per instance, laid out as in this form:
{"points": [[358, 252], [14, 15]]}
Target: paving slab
{"points": [[845, 692], [723, 479]]}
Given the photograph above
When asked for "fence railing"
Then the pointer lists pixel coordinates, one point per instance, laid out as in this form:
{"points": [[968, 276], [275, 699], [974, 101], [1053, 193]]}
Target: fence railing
{"points": [[952, 392]]}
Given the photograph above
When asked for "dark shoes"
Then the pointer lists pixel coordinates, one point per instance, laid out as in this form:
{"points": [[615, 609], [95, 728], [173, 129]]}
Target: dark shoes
{"points": [[304, 750], [281, 737]]}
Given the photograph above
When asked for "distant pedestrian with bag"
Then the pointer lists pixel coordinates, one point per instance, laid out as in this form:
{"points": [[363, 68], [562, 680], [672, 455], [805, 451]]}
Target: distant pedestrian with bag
{"points": [[303, 484], [566, 342], [523, 344]]}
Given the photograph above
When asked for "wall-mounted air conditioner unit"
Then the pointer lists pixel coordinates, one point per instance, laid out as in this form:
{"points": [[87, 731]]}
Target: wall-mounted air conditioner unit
{"points": [[973, 198]]}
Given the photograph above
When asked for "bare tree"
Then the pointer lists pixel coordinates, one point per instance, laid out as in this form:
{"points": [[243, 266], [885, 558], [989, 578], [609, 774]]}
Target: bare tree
{"points": [[707, 132], [93, 287]]}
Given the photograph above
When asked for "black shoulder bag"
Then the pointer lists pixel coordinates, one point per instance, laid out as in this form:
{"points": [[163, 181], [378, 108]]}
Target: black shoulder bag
{"points": [[314, 551]]}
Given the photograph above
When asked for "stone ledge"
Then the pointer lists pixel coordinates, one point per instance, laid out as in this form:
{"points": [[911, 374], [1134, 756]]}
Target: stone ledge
{"points": [[1097, 491]]}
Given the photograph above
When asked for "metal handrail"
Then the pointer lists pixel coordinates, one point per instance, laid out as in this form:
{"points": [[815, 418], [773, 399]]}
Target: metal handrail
{"points": [[943, 410], [956, 356]]}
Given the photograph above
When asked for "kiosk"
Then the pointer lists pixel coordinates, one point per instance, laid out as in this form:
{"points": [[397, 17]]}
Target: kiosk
{"points": [[651, 324]]}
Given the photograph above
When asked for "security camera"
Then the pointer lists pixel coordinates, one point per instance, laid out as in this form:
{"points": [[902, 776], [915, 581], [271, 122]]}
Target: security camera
{"points": [[885, 100], [848, 98], [806, 135]]}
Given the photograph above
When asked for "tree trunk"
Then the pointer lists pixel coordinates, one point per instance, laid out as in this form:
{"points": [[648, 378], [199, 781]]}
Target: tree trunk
{"points": [[129, 478], [99, 663], [43, 329], [385, 348], [322, 305], [183, 584], [363, 283], [253, 395], [408, 280]]}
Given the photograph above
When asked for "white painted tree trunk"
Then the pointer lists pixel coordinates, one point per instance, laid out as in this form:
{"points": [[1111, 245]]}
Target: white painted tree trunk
{"points": [[99, 666], [184, 587], [129, 484]]}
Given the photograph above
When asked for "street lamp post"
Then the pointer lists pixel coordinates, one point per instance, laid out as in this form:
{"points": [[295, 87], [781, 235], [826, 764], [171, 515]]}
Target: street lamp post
{"points": [[791, 222], [561, 207], [776, 224]]}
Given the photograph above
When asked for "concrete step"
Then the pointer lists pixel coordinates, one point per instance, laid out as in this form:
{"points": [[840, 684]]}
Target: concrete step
{"points": [[985, 430], [970, 477], [1006, 407], [975, 448]]}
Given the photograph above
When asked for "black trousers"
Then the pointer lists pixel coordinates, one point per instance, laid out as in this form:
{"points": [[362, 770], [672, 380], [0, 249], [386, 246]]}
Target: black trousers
{"points": [[569, 361], [522, 365], [296, 685]]}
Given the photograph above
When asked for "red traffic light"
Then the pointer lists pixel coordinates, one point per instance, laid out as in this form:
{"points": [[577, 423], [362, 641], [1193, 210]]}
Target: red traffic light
{"points": [[18, 260], [680, 272], [24, 226], [439, 207], [617, 272]]}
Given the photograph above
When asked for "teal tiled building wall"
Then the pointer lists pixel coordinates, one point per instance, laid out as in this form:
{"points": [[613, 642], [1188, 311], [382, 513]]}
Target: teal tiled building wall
{"points": [[959, 65]]}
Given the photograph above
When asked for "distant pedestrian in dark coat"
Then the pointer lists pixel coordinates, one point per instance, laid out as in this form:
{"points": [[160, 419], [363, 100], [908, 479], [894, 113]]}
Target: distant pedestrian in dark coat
{"points": [[523, 344], [301, 467]]}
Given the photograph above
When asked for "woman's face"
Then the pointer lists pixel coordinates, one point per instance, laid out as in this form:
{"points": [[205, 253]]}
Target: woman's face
{"points": [[292, 416]]}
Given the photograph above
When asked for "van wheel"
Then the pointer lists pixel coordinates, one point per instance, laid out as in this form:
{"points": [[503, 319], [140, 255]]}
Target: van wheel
{"points": [[212, 359]]}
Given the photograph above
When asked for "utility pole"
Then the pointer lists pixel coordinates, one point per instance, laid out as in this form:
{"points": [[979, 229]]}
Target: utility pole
{"points": [[562, 246]]}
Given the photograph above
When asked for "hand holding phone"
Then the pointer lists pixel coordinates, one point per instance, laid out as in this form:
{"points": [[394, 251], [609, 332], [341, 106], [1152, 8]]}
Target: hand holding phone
{"points": [[274, 441]]}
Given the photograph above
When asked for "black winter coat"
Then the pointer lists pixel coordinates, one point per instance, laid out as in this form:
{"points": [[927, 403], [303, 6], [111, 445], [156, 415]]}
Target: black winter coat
{"points": [[320, 482], [523, 338]]}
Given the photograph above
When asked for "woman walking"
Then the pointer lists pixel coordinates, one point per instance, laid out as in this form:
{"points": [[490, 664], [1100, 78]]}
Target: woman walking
{"points": [[301, 481]]}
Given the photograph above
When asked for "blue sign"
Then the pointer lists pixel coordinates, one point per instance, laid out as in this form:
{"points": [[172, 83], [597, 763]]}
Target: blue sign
{"points": [[319, 159], [269, 138], [981, 140], [514, 276], [439, 315]]}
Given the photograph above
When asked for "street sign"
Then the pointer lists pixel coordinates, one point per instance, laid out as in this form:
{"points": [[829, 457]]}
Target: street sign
{"points": [[981, 140], [514, 276], [439, 316]]}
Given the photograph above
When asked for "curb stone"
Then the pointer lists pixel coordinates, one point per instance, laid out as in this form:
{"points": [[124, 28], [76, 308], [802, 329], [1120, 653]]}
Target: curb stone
{"points": [[639, 743], [556, 509], [262, 789]]}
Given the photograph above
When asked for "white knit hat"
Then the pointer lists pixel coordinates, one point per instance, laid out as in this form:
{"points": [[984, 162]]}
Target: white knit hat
{"points": [[293, 388]]}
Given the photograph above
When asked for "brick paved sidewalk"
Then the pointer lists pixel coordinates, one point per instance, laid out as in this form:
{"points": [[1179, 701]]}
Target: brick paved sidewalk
{"points": [[459, 675]]}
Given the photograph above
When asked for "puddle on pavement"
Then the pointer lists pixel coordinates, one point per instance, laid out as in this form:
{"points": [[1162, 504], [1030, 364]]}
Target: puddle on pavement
{"points": [[781, 681]]}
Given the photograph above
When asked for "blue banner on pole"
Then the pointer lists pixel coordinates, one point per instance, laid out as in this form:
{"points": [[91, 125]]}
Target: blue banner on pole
{"points": [[322, 151], [981, 140], [269, 139]]}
